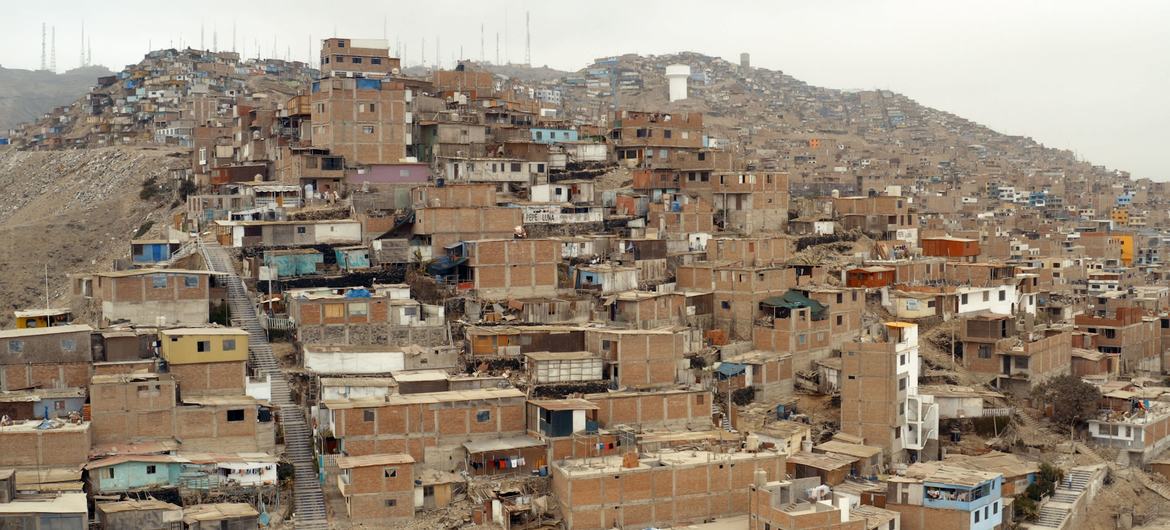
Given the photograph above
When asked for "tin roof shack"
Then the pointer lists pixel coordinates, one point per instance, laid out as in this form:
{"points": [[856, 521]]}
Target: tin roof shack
{"points": [[335, 388], [659, 489], [35, 403], [513, 268], [377, 487], [1130, 337], [544, 368], [830, 469], [220, 516], [559, 418], [513, 341], [152, 251], [642, 358], [259, 234], [804, 504], [951, 248], [769, 373], [869, 458], [149, 297], [871, 277], [61, 511], [880, 401], [352, 258], [384, 314], [134, 513], [42, 318], [649, 310], [431, 427], [1017, 472], [51, 358], [605, 278], [294, 262], [44, 444], [511, 455], [935, 495], [125, 473], [738, 291], [1142, 432], [345, 359]]}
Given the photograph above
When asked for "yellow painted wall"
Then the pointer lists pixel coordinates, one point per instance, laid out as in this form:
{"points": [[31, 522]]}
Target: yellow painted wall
{"points": [[1127, 249], [184, 348]]}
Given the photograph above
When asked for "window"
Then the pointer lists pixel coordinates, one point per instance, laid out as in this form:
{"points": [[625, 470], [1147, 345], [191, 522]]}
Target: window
{"points": [[902, 359], [977, 516], [109, 472], [151, 469], [986, 296], [897, 433], [367, 415], [359, 309], [390, 503], [190, 281], [840, 298], [334, 311], [203, 346], [840, 320], [158, 281], [68, 344], [801, 339], [338, 59], [984, 351], [340, 43], [235, 415], [963, 299], [1021, 362], [372, 107], [229, 344], [666, 133], [375, 60], [995, 507], [367, 129], [483, 416], [902, 383], [300, 229], [1002, 295], [356, 60], [390, 472], [515, 168], [725, 304]]}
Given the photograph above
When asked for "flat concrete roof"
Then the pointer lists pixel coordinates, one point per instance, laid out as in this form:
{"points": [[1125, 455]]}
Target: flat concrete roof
{"points": [[34, 332], [60, 503], [350, 462]]}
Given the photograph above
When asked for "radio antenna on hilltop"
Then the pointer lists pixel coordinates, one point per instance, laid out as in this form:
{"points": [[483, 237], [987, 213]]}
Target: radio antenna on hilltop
{"points": [[44, 42], [82, 62], [53, 51], [527, 39]]}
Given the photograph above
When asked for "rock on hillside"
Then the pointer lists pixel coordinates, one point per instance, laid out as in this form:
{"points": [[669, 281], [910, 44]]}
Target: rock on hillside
{"points": [[25, 94], [74, 211]]}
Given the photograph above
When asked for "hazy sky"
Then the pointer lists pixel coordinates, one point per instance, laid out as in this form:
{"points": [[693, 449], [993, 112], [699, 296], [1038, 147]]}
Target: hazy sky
{"points": [[1091, 76]]}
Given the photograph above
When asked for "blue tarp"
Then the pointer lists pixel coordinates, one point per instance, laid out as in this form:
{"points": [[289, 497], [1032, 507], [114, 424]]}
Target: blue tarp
{"points": [[727, 370], [357, 293]]}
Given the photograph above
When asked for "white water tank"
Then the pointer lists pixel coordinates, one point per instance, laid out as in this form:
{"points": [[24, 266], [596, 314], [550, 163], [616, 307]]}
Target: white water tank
{"points": [[678, 74]]}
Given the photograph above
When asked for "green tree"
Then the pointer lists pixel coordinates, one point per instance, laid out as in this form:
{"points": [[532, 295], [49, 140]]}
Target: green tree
{"points": [[1073, 401]]}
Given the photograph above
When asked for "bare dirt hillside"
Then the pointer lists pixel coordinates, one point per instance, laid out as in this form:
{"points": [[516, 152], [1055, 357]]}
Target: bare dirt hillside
{"points": [[26, 94], [75, 211]]}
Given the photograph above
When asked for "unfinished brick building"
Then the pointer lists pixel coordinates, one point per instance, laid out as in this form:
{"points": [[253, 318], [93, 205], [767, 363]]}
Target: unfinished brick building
{"points": [[377, 488]]}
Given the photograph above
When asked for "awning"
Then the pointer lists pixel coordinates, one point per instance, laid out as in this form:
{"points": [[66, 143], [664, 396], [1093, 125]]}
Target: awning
{"points": [[444, 266], [795, 300], [727, 370]]}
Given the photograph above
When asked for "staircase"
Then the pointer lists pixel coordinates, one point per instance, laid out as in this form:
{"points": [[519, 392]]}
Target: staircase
{"points": [[725, 424], [309, 500]]}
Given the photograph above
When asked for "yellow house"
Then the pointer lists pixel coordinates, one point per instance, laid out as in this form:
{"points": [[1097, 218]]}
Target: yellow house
{"points": [[43, 318], [1120, 216], [1127, 250], [203, 345]]}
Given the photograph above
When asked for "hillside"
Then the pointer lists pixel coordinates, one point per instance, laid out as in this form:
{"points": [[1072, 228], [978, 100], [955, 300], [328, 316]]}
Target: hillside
{"points": [[26, 94], [73, 211]]}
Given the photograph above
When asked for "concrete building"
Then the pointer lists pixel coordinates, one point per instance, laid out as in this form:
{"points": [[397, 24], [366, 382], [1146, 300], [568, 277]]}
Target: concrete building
{"points": [[148, 297], [1129, 337], [365, 121], [879, 395], [55, 357], [377, 488], [381, 315], [938, 496], [663, 489], [342, 57]]}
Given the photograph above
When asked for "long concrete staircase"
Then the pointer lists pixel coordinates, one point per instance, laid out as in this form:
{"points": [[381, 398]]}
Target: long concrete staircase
{"points": [[308, 498]]}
